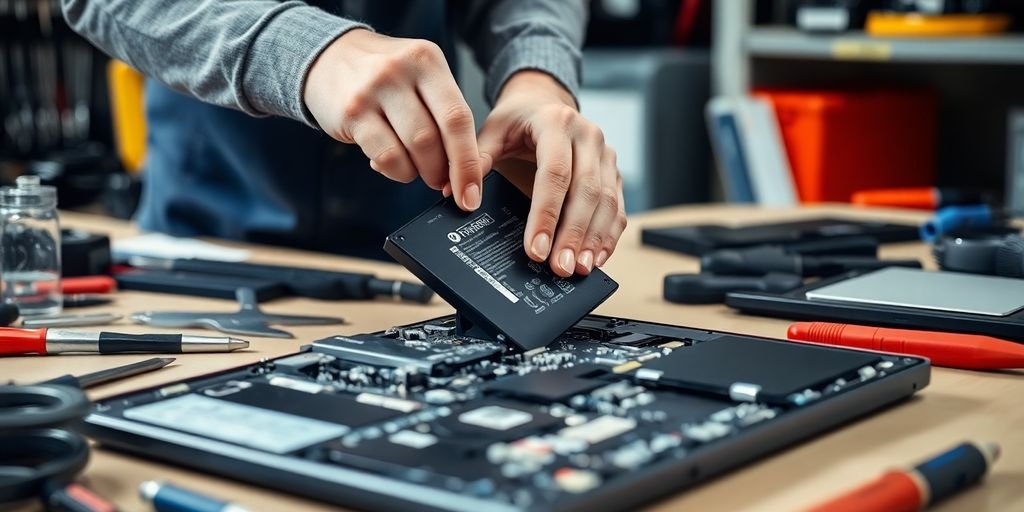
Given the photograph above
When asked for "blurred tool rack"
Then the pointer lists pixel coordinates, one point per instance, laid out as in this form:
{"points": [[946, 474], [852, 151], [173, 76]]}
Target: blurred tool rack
{"points": [[54, 113]]}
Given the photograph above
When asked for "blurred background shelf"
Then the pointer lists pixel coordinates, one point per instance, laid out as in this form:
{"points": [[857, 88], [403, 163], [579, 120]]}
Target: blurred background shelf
{"points": [[975, 79], [782, 42]]}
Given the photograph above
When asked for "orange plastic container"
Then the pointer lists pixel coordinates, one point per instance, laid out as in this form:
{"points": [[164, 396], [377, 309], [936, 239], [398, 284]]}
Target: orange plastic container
{"points": [[890, 24], [839, 142]]}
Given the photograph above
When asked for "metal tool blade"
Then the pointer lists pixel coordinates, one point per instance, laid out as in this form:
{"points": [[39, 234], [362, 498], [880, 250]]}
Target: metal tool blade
{"points": [[302, 320], [248, 320], [224, 322], [122, 372]]}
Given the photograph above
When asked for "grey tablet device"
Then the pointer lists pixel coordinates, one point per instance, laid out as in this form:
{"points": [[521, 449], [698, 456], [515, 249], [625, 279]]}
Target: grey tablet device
{"points": [[915, 288]]}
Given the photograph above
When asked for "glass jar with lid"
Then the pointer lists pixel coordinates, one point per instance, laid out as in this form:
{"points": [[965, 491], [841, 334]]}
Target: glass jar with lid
{"points": [[30, 247]]}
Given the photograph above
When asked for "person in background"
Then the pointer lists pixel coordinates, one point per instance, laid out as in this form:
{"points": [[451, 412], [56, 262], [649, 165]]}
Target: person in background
{"points": [[227, 158]]}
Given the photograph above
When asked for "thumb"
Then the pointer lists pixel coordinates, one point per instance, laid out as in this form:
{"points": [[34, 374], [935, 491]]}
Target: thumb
{"points": [[498, 143], [491, 142]]}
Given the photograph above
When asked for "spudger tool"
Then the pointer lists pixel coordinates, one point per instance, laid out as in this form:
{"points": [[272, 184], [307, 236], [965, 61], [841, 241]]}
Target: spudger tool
{"points": [[111, 374], [953, 350], [248, 320]]}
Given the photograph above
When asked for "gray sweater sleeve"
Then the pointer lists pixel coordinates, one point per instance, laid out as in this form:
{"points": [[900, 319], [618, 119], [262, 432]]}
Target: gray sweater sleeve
{"points": [[251, 55], [513, 35]]}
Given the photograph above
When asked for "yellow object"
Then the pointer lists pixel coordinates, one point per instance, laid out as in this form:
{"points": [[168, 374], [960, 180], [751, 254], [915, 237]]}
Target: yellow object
{"points": [[126, 106], [861, 50], [946, 25], [626, 367]]}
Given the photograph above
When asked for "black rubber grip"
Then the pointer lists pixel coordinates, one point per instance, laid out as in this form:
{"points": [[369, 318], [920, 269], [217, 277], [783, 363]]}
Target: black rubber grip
{"points": [[414, 292], [116, 343], [711, 288], [8, 314], [952, 471]]}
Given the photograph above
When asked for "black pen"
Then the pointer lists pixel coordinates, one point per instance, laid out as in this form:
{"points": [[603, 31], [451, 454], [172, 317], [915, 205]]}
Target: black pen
{"points": [[14, 341]]}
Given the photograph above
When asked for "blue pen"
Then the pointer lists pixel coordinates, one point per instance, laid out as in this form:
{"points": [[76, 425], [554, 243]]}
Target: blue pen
{"points": [[169, 498]]}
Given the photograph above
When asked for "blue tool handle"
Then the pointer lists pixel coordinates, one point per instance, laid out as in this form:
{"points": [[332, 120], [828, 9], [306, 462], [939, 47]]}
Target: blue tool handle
{"points": [[952, 471], [170, 498], [953, 218]]}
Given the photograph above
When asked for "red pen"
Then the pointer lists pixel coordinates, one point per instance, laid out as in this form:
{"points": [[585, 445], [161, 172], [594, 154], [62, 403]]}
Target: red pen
{"points": [[924, 198], [72, 286], [87, 284], [925, 484], [968, 351]]}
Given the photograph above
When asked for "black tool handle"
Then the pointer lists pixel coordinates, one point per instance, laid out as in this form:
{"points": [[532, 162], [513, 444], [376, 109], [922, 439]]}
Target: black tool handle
{"points": [[711, 288], [834, 265], [952, 471], [1009, 257], [751, 262], [787, 258], [845, 246], [413, 292], [8, 314], [314, 283], [117, 343]]}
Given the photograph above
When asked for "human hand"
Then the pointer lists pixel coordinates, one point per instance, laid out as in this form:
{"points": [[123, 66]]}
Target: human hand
{"points": [[397, 99], [537, 139]]}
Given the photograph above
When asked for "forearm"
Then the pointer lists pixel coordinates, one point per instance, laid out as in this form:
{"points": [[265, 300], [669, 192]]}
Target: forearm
{"points": [[509, 36], [251, 55]]}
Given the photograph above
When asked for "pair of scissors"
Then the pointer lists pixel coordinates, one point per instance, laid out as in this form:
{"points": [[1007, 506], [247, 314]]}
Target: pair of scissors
{"points": [[40, 454], [37, 456]]}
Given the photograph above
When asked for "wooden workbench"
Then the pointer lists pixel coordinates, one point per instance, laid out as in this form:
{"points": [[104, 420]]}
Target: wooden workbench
{"points": [[957, 405]]}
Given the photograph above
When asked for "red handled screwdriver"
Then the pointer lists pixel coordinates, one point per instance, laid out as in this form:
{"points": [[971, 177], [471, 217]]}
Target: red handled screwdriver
{"points": [[917, 488], [15, 341]]}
